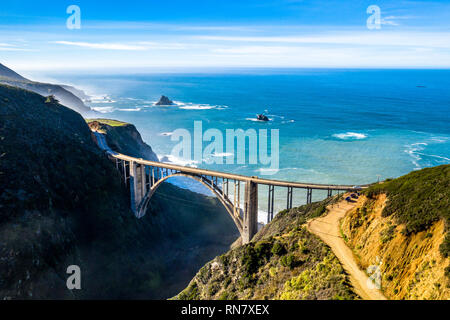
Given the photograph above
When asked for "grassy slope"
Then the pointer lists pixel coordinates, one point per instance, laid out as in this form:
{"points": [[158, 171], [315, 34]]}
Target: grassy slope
{"points": [[284, 261], [418, 199], [110, 122]]}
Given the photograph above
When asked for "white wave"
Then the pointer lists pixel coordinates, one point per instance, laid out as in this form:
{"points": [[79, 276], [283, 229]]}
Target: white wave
{"points": [[222, 154], [268, 171], [104, 109], [179, 161], [197, 107], [166, 134], [433, 156], [130, 109], [439, 139], [414, 151], [350, 136], [104, 98], [256, 120]]}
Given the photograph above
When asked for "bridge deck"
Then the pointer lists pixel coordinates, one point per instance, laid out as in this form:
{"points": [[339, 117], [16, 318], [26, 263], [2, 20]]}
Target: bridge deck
{"points": [[225, 175]]}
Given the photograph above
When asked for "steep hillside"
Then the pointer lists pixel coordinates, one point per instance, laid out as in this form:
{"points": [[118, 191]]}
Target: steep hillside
{"points": [[284, 261], [123, 138], [402, 225], [65, 97], [62, 203], [5, 72]]}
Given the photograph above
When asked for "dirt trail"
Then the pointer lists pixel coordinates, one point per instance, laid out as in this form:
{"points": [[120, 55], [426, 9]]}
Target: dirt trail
{"points": [[327, 228]]}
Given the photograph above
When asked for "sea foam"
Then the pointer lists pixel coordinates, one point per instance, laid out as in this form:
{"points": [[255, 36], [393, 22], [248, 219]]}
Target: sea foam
{"points": [[350, 136]]}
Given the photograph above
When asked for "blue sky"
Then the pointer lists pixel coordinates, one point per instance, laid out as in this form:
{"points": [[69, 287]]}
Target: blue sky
{"points": [[146, 35]]}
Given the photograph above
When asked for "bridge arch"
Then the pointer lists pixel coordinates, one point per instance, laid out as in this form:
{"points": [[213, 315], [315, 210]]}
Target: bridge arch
{"points": [[235, 213]]}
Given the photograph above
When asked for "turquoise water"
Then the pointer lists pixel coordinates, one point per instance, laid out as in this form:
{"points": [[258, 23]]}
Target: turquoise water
{"points": [[335, 126]]}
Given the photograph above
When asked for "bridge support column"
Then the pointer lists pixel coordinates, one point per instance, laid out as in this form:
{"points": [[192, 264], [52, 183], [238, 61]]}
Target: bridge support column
{"points": [[136, 188], [308, 195], [250, 212]]}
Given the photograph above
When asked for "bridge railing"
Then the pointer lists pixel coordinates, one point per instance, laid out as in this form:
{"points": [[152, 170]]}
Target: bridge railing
{"points": [[224, 175]]}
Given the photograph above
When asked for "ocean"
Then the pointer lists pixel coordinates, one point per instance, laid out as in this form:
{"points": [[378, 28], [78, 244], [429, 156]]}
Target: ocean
{"points": [[335, 126]]}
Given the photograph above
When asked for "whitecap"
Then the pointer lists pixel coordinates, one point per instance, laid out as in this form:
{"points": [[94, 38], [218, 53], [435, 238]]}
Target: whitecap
{"points": [[413, 150], [130, 109], [197, 107], [256, 120], [222, 154], [104, 109], [434, 156], [166, 134], [350, 136], [268, 171], [179, 161], [101, 99]]}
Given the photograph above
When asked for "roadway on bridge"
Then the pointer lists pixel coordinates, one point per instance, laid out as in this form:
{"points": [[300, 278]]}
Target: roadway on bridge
{"points": [[328, 229]]}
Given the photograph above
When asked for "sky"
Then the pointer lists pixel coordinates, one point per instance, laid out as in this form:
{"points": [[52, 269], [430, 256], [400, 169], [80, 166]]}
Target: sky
{"points": [[151, 35]]}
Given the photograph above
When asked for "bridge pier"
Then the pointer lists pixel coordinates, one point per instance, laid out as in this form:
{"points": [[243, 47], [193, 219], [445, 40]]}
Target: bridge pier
{"points": [[250, 212], [137, 185], [308, 196]]}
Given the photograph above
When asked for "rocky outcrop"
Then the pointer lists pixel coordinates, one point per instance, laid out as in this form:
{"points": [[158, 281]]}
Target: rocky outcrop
{"points": [[65, 97], [123, 138], [164, 101]]}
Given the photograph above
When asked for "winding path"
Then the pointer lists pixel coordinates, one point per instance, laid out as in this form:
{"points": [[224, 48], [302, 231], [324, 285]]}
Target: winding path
{"points": [[327, 228]]}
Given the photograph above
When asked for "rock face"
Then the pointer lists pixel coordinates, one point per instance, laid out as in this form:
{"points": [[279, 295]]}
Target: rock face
{"points": [[62, 203], [65, 97], [262, 117], [403, 227], [124, 138], [164, 101]]}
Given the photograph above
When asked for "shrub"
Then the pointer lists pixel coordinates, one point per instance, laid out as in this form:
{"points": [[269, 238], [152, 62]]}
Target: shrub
{"points": [[278, 249], [288, 261]]}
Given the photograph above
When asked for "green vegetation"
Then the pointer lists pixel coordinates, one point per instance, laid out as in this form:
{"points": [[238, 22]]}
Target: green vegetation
{"points": [[387, 234], [418, 199], [190, 293], [284, 261], [110, 122], [316, 279]]}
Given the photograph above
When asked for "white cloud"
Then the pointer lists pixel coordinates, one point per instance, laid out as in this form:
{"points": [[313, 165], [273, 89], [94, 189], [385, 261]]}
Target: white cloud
{"points": [[379, 38], [104, 46], [12, 47]]}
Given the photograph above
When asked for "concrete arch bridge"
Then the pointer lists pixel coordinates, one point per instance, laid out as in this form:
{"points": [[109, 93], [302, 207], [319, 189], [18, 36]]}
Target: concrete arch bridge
{"points": [[144, 177]]}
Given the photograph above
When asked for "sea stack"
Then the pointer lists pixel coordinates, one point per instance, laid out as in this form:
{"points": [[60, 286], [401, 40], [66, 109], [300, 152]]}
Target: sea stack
{"points": [[164, 101]]}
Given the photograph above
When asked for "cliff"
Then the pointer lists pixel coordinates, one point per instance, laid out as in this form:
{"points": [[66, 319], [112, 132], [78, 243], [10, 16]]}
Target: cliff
{"points": [[123, 138], [65, 97], [283, 261], [402, 225], [62, 203]]}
